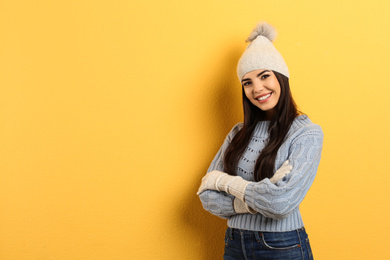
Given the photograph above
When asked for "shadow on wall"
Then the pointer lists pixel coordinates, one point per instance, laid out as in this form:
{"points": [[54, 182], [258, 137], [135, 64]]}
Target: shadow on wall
{"points": [[224, 107]]}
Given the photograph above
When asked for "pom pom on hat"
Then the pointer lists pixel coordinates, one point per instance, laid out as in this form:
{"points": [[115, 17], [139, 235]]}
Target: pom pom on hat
{"points": [[263, 29], [261, 53]]}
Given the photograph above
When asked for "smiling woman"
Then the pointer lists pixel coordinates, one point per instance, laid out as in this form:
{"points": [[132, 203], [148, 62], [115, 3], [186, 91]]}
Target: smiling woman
{"points": [[262, 88], [261, 204]]}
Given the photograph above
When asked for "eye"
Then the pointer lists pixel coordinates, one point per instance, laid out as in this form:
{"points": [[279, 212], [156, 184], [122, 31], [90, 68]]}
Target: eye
{"points": [[246, 83], [264, 76]]}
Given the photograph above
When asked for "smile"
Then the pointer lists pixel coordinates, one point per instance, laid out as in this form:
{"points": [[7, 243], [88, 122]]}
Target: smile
{"points": [[263, 98]]}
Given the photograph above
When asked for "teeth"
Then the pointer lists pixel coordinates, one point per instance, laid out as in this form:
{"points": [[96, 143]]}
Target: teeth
{"points": [[264, 97]]}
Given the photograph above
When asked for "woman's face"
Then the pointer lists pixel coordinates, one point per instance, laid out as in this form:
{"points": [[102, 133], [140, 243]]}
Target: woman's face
{"points": [[262, 88]]}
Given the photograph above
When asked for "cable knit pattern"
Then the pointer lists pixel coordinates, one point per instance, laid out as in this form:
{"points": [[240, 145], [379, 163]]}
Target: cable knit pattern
{"points": [[221, 206], [277, 204]]}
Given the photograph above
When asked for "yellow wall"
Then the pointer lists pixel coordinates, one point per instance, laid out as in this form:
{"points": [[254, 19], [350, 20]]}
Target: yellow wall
{"points": [[111, 111]]}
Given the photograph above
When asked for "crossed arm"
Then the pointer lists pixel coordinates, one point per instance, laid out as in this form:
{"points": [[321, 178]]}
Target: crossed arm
{"points": [[276, 197]]}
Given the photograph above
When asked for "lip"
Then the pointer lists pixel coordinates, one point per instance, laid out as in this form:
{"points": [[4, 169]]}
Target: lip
{"points": [[265, 100]]}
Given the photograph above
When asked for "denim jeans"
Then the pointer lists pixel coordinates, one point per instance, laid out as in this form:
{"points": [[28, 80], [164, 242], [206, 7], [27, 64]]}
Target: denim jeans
{"points": [[245, 245]]}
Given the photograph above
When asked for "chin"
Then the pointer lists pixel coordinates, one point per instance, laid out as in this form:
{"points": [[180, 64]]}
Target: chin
{"points": [[266, 109]]}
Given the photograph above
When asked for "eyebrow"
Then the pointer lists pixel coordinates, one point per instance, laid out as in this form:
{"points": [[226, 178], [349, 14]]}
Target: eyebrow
{"points": [[264, 71]]}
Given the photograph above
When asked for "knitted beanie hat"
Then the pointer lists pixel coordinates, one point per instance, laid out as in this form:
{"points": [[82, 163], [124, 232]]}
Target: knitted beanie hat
{"points": [[261, 53]]}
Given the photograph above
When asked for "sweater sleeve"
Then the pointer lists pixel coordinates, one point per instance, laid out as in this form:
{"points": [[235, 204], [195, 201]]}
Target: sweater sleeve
{"points": [[278, 201], [218, 203], [215, 202]]}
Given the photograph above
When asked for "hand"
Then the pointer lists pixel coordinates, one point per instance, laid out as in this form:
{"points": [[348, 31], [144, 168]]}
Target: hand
{"points": [[220, 181], [241, 207], [281, 172], [209, 181]]}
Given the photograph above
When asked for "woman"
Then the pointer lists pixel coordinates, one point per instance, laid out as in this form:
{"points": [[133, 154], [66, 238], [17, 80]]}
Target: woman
{"points": [[261, 204]]}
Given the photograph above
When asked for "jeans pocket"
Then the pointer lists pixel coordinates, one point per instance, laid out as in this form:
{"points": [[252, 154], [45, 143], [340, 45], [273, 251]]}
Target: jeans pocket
{"points": [[279, 241]]}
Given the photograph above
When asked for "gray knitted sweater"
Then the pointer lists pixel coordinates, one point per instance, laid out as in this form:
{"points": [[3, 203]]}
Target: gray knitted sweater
{"points": [[277, 205]]}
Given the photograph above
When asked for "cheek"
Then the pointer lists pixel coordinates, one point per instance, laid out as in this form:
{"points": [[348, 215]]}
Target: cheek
{"points": [[277, 90], [247, 93], [278, 97]]}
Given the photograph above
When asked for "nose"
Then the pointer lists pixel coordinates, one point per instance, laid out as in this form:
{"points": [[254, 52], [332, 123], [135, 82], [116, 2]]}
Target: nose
{"points": [[258, 86]]}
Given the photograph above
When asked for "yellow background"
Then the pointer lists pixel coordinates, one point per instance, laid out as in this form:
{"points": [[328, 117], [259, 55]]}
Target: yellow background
{"points": [[111, 111]]}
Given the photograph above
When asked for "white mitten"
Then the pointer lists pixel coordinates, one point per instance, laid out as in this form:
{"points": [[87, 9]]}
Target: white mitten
{"points": [[241, 207], [209, 180], [220, 181], [235, 185], [281, 172]]}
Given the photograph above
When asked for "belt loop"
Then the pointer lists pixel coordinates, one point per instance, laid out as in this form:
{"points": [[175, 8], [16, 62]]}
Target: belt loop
{"points": [[231, 233], [258, 236]]}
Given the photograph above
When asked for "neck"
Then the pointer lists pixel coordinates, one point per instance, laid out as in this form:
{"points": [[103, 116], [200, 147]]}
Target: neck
{"points": [[269, 114]]}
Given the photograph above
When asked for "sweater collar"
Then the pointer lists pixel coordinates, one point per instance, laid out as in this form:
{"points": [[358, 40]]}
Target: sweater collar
{"points": [[261, 129]]}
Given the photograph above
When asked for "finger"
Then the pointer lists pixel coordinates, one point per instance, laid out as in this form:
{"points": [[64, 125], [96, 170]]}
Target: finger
{"points": [[285, 163], [200, 191], [202, 187]]}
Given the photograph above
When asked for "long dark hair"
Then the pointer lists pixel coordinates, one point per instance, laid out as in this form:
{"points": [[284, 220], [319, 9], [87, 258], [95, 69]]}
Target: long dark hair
{"points": [[285, 113]]}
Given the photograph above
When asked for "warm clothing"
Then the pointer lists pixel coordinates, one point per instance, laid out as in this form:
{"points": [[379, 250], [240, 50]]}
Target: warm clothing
{"points": [[245, 244], [277, 204], [261, 53]]}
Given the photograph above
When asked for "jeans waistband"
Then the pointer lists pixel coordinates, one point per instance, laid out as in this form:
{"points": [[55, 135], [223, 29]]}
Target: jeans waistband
{"points": [[230, 232]]}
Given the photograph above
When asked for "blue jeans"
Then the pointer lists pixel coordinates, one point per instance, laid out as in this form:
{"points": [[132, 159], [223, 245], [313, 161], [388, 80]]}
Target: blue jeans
{"points": [[245, 245]]}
